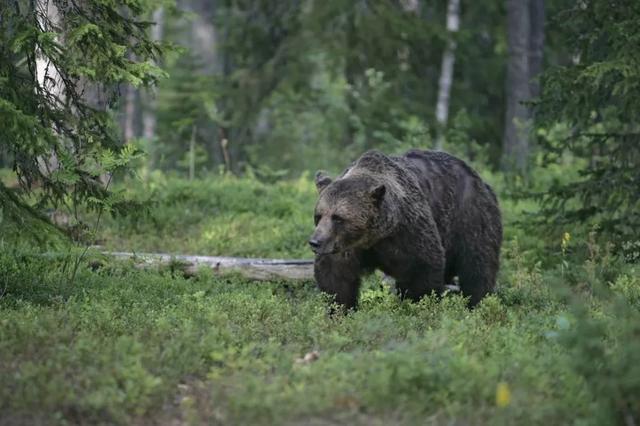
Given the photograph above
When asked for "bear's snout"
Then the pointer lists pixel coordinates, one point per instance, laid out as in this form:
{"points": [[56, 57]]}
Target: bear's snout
{"points": [[315, 244], [319, 245], [321, 242]]}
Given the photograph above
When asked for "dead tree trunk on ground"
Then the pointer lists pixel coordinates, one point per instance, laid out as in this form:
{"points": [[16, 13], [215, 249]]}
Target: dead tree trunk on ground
{"points": [[255, 269]]}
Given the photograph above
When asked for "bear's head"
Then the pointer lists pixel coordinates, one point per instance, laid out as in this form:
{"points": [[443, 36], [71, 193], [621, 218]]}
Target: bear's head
{"points": [[346, 213]]}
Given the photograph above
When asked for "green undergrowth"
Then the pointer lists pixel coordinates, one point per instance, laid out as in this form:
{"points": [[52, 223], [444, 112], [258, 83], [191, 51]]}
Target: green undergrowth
{"points": [[219, 215], [118, 345], [100, 342]]}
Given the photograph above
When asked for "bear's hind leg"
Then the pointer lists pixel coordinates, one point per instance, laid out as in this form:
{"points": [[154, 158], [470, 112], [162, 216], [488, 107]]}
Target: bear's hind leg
{"points": [[477, 274], [421, 280]]}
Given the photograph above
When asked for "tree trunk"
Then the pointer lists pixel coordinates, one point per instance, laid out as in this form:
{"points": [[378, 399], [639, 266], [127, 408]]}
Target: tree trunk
{"points": [[130, 110], [4, 162], [251, 268], [536, 44], [412, 6], [47, 75], [206, 39], [149, 119], [255, 269], [515, 141], [446, 72], [192, 153], [351, 72]]}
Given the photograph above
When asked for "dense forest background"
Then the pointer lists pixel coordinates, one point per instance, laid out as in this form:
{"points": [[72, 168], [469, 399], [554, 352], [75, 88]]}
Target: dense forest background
{"points": [[195, 127], [282, 88], [296, 86]]}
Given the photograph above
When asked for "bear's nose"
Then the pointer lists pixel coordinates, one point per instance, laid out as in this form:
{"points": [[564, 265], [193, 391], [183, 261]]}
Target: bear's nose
{"points": [[314, 243]]}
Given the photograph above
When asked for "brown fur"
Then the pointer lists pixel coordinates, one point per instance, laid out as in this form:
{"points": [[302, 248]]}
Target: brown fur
{"points": [[422, 218]]}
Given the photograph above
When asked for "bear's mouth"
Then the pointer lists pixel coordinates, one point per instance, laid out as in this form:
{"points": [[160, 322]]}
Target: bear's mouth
{"points": [[333, 249], [325, 252]]}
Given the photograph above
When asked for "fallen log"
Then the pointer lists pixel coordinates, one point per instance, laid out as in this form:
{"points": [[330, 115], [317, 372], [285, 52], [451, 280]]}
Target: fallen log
{"points": [[252, 268]]}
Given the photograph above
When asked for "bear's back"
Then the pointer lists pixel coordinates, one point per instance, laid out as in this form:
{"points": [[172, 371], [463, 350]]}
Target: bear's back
{"points": [[453, 189], [443, 177]]}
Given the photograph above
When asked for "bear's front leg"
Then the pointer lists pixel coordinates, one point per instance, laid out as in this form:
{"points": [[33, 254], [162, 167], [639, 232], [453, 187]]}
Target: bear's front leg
{"points": [[339, 275]]}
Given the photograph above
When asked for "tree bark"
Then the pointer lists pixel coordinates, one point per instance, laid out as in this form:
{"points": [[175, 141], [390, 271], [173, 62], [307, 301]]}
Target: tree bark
{"points": [[412, 6], [204, 38], [536, 44], [130, 110], [149, 118], [351, 71], [515, 141], [251, 268], [255, 269], [47, 75], [446, 71], [207, 35], [192, 153]]}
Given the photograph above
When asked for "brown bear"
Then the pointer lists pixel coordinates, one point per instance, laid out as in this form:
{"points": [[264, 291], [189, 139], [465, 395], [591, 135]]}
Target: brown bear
{"points": [[423, 218]]}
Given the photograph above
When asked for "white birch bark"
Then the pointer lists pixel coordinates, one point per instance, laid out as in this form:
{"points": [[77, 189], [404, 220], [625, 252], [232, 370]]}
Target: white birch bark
{"points": [[149, 119], [410, 5], [446, 71], [47, 75]]}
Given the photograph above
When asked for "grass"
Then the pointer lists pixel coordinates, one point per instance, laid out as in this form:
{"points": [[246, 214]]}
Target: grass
{"points": [[219, 216], [123, 346]]}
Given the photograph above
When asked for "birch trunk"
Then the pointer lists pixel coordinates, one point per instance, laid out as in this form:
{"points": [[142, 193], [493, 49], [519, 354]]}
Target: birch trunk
{"points": [[47, 75], [446, 71], [149, 119], [132, 105]]}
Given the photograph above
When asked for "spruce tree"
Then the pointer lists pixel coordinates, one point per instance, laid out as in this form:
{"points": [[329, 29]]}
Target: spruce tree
{"points": [[597, 94], [61, 66]]}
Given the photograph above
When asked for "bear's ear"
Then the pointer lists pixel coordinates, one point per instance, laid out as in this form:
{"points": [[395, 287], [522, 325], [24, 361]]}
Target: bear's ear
{"points": [[377, 193], [322, 180]]}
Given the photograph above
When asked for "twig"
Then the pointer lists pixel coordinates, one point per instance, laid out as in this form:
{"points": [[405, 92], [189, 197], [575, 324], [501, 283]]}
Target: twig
{"points": [[95, 231]]}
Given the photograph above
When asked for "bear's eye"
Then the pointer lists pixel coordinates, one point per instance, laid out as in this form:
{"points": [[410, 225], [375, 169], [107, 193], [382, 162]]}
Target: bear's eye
{"points": [[337, 219], [317, 218]]}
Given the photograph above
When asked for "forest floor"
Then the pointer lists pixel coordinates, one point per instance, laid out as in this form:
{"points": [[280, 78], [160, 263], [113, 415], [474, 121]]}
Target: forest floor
{"points": [[116, 345]]}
